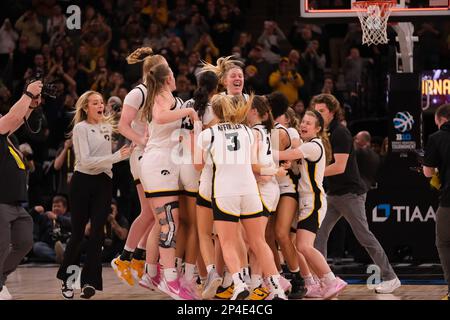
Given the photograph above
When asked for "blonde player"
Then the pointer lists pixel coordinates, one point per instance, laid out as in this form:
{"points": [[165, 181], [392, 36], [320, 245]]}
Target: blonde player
{"points": [[134, 128], [232, 148], [315, 153], [160, 173]]}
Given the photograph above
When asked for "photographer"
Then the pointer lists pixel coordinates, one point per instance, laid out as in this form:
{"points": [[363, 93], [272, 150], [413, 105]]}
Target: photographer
{"points": [[52, 229], [16, 226], [437, 166]]}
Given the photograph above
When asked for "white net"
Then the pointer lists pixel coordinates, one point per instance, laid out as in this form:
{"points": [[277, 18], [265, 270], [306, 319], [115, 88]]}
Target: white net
{"points": [[373, 16]]}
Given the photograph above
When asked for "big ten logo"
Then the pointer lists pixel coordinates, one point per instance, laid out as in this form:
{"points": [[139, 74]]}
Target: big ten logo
{"points": [[73, 280], [375, 276], [73, 21]]}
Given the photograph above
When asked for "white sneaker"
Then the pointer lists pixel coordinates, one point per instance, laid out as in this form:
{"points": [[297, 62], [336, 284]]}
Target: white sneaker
{"points": [[388, 286], [4, 294], [213, 281], [241, 292]]}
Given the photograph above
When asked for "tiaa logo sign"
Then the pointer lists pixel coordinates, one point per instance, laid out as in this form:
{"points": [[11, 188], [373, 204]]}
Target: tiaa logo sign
{"points": [[403, 121]]}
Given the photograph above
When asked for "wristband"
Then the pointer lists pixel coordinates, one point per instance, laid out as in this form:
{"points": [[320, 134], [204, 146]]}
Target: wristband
{"points": [[29, 94]]}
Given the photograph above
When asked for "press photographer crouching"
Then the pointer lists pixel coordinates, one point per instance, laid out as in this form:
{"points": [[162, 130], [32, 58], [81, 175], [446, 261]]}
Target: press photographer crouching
{"points": [[16, 225], [437, 166]]}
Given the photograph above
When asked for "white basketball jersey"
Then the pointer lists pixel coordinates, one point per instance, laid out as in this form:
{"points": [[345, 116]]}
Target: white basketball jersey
{"points": [[230, 148], [136, 99], [167, 135], [312, 168], [265, 154]]}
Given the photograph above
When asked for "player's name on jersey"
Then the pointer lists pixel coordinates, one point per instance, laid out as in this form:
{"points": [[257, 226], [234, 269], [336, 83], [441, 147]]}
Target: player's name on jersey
{"points": [[228, 126]]}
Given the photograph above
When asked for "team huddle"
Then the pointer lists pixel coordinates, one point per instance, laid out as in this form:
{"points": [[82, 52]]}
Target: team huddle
{"points": [[230, 185]]}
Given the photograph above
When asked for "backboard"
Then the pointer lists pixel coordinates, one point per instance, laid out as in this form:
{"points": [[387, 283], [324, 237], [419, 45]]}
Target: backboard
{"points": [[343, 11]]}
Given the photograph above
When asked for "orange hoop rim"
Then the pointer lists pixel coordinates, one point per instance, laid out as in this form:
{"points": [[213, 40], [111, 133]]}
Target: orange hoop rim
{"points": [[387, 4]]}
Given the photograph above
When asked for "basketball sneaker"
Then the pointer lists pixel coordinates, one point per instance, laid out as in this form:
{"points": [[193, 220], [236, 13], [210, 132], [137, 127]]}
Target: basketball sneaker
{"points": [[444, 298], [192, 287], [224, 293], [5, 295], [285, 285], [87, 292], [137, 268], [66, 290], [174, 289], [298, 290], [240, 292], [314, 290], [123, 270], [333, 288], [259, 293], [388, 286], [213, 281]]}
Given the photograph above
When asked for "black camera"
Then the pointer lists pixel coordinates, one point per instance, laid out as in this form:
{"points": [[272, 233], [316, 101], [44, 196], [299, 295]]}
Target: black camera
{"points": [[49, 90]]}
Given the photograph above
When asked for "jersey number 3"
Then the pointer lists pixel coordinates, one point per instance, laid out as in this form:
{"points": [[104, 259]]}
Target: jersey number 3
{"points": [[235, 144]]}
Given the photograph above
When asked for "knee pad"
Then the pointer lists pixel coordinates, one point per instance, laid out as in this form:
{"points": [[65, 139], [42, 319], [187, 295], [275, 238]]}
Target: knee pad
{"points": [[167, 239]]}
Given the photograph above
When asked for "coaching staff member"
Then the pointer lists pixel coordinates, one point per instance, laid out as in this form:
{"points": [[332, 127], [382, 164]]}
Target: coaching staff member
{"points": [[437, 162], [16, 225], [346, 194]]}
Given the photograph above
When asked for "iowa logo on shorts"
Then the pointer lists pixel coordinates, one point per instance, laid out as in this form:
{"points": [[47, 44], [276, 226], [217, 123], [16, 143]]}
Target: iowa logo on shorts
{"points": [[165, 172]]}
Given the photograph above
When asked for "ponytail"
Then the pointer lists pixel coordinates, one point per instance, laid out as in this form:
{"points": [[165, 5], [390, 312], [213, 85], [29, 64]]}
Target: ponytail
{"points": [[155, 80], [207, 84]]}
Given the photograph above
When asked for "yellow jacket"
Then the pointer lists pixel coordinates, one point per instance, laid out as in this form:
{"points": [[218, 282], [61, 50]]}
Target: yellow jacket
{"points": [[289, 87]]}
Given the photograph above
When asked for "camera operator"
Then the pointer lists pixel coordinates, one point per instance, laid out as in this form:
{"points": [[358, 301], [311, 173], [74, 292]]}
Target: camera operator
{"points": [[437, 166], [16, 226]]}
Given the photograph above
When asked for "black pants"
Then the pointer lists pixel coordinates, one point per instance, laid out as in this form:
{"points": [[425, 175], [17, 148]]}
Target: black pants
{"points": [[443, 240], [90, 199]]}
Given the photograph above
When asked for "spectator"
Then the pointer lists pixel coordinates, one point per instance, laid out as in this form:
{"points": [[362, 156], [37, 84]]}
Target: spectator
{"points": [[354, 69], [286, 81], [208, 51], [56, 24], [97, 36], [117, 59], [258, 75], [271, 40], [22, 60], [52, 229], [157, 11], [244, 43], [29, 26], [299, 108], [316, 61], [367, 159], [64, 166], [223, 27], [86, 64], [8, 38], [184, 88], [155, 38], [194, 30], [194, 64], [116, 232]]}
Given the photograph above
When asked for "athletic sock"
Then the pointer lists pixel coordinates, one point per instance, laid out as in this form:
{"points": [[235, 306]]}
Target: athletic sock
{"points": [[309, 280], [170, 274], [237, 278], [189, 271], [179, 264], [139, 254], [126, 255], [210, 267], [328, 277], [151, 270]]}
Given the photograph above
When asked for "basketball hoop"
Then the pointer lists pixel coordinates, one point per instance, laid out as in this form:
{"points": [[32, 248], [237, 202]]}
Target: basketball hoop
{"points": [[373, 16]]}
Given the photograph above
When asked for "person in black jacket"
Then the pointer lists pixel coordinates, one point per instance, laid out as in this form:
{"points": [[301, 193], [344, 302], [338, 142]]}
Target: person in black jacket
{"points": [[437, 166], [16, 225], [52, 230]]}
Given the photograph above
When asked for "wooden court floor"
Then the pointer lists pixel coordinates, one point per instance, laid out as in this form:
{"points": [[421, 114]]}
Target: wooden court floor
{"points": [[40, 283]]}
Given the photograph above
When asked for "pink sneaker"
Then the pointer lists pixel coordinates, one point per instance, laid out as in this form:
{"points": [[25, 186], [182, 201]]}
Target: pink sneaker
{"points": [[191, 287], [150, 283], [285, 285], [314, 290], [333, 288], [174, 289]]}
